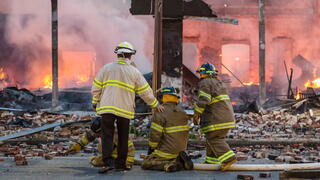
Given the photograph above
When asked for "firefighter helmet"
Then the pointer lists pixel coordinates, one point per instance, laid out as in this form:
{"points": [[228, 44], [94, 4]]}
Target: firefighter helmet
{"points": [[208, 68], [96, 124], [125, 47], [170, 91]]}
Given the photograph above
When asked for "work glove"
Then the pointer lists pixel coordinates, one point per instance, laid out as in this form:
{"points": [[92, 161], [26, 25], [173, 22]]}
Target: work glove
{"points": [[74, 148], [150, 150], [196, 118]]}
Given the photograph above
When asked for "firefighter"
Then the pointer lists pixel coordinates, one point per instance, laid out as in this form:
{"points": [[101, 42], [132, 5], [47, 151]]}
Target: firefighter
{"points": [[113, 92], [168, 136], [214, 109], [91, 135]]}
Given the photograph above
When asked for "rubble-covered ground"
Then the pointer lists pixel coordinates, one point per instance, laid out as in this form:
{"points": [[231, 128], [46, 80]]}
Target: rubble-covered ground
{"points": [[272, 126]]}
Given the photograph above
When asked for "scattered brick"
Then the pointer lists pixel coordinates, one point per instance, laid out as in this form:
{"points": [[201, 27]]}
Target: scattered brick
{"points": [[244, 177], [265, 175]]}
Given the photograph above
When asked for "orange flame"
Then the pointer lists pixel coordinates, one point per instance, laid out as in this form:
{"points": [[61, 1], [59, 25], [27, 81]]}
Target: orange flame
{"points": [[248, 83], [82, 79], [299, 95], [2, 74], [313, 84], [47, 81], [234, 103]]}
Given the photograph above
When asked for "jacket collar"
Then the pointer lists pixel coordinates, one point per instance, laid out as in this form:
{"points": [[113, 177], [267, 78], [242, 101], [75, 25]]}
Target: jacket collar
{"points": [[123, 61]]}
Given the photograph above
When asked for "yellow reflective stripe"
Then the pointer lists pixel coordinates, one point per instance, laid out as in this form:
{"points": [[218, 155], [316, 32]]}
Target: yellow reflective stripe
{"points": [[226, 156], [154, 103], [121, 62], [220, 98], [218, 127], [156, 127], [94, 100], [115, 110], [164, 154], [177, 129], [84, 140], [143, 89], [130, 143], [212, 160], [95, 83], [153, 144], [130, 159], [198, 109], [120, 86], [202, 93]]}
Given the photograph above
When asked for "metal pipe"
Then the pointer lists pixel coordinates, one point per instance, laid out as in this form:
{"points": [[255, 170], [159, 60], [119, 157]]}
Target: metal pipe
{"points": [[54, 29]]}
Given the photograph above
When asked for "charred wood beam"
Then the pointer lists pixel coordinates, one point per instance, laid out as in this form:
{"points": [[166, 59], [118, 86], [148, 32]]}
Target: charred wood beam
{"points": [[262, 52], [54, 29], [297, 174]]}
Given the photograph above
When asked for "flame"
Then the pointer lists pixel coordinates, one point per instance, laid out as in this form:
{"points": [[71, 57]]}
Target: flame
{"points": [[234, 103], [313, 84], [299, 95], [82, 79], [47, 81], [248, 83], [2, 74]]}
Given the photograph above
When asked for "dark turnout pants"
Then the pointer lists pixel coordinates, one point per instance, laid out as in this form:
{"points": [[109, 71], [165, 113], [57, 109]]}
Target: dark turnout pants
{"points": [[107, 127]]}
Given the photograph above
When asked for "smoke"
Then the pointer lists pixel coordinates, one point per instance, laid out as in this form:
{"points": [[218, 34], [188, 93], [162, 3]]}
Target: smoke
{"points": [[84, 25]]}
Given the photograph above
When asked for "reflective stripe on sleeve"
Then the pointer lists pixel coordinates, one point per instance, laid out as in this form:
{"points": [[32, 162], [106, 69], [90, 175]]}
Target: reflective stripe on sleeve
{"points": [[97, 83], [198, 109], [143, 89], [220, 98], [154, 104], [95, 100], [202, 93]]}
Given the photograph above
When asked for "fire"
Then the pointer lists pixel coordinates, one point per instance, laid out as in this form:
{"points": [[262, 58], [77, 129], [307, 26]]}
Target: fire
{"points": [[313, 84], [299, 95], [2, 74], [82, 79], [234, 103], [47, 81], [248, 83]]}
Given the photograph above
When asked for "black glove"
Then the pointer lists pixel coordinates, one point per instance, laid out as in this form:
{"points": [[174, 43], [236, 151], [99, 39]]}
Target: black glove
{"points": [[150, 150]]}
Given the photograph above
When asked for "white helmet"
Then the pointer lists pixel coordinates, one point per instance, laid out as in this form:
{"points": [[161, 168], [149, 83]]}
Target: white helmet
{"points": [[125, 47]]}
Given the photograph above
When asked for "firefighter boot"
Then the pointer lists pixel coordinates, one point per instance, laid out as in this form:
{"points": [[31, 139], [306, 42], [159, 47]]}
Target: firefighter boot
{"points": [[185, 160], [225, 166]]}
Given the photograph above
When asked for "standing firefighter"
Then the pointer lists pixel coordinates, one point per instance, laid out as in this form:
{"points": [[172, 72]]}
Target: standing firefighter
{"points": [[168, 136], [94, 133], [113, 91], [217, 117]]}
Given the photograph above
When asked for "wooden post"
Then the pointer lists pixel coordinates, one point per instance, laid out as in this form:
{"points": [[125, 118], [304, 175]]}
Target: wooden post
{"points": [[54, 24], [262, 53], [157, 64]]}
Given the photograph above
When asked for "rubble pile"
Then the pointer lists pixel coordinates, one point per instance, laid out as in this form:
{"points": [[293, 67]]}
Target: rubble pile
{"points": [[270, 126], [277, 124]]}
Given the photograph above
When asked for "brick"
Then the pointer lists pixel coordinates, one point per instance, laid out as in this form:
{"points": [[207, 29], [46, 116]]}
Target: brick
{"points": [[1, 160], [244, 177], [20, 160], [265, 175], [48, 156], [242, 157], [143, 156]]}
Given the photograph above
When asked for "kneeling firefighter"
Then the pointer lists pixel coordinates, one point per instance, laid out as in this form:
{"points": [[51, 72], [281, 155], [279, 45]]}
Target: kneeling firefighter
{"points": [[168, 136], [214, 111], [94, 133]]}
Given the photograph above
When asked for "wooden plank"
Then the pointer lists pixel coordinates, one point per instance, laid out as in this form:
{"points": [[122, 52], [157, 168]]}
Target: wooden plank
{"points": [[259, 167]]}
